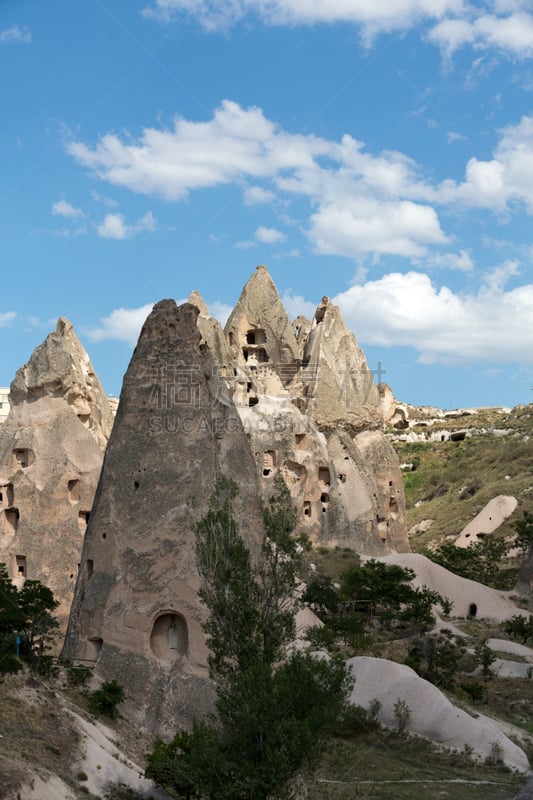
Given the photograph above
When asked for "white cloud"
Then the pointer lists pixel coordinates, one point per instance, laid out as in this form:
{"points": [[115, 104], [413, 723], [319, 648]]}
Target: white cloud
{"points": [[366, 225], [114, 226], [269, 235], [297, 305], [506, 178], [106, 201], [380, 15], [123, 324], [6, 318], [513, 33], [220, 311], [408, 309], [16, 33], [453, 136], [361, 202], [256, 194], [63, 209], [460, 261]]}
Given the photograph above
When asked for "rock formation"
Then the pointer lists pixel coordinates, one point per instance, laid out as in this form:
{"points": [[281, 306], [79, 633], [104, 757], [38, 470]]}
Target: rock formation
{"points": [[306, 397], [136, 610], [60, 367], [258, 331], [337, 385], [51, 451]]}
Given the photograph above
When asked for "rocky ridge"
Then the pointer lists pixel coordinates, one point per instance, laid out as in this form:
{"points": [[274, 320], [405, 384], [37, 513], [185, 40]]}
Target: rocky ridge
{"points": [[312, 413]]}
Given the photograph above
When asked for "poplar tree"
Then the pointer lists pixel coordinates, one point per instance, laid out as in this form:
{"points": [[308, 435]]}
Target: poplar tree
{"points": [[275, 706]]}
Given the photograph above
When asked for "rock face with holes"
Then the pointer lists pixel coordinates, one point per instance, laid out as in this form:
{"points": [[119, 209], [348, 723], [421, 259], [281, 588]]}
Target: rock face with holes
{"points": [[136, 611], [312, 412], [338, 386], [51, 451]]}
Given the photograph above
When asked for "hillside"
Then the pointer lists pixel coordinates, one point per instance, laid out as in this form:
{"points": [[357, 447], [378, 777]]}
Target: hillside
{"points": [[451, 481]]}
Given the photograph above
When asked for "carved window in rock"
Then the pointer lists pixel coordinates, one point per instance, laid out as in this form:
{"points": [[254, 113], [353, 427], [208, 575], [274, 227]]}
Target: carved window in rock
{"points": [[11, 517], [93, 648], [83, 519], [255, 356], [20, 566], [22, 457], [269, 462], [6, 495], [169, 638], [73, 487], [256, 336], [324, 477]]}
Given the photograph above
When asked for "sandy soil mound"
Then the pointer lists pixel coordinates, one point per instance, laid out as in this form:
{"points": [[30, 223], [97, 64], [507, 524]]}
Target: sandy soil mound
{"points": [[432, 714], [469, 597]]}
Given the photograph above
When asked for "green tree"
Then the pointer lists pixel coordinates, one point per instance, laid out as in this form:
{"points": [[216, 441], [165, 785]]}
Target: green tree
{"points": [[478, 562], [485, 657], [38, 626], [322, 596], [28, 613], [273, 710], [383, 588], [385, 591], [437, 658], [519, 627], [106, 699], [523, 529]]}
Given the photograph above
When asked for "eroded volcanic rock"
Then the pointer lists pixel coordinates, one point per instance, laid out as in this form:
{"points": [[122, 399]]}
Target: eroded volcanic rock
{"points": [[312, 412], [136, 611], [338, 385], [51, 451]]}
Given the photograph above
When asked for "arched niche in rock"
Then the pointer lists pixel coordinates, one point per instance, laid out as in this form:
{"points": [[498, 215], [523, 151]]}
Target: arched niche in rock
{"points": [[169, 638]]}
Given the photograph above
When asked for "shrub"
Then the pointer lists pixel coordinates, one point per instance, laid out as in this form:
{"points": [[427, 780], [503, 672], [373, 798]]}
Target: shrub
{"points": [[106, 699], [374, 707], [485, 657], [402, 712], [78, 676], [476, 691], [354, 720], [495, 756], [519, 627]]}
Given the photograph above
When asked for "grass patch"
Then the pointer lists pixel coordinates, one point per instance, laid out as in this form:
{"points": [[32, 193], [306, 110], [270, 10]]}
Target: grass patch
{"points": [[455, 480], [385, 766]]}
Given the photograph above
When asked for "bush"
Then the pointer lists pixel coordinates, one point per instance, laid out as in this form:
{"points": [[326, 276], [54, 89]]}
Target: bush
{"points": [[353, 721], [495, 757], [485, 657], [106, 699], [78, 676], [519, 627], [436, 658], [402, 712], [476, 691]]}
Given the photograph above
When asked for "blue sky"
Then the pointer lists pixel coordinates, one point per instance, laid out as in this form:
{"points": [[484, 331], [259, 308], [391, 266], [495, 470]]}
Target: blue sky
{"points": [[380, 153]]}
